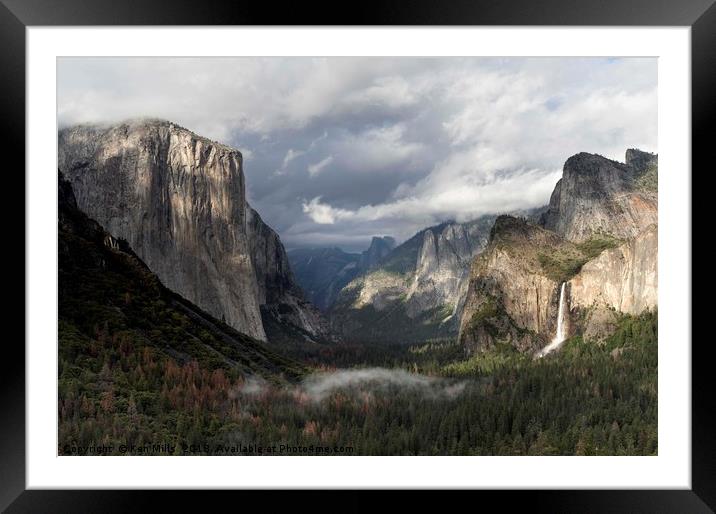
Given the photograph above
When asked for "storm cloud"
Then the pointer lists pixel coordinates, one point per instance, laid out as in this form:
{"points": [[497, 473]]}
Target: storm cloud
{"points": [[337, 150]]}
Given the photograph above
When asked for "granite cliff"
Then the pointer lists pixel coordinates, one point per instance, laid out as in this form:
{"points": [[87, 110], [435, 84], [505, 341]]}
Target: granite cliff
{"points": [[106, 293], [598, 237], [620, 280], [513, 292], [624, 278], [415, 292], [281, 300], [598, 195], [179, 200]]}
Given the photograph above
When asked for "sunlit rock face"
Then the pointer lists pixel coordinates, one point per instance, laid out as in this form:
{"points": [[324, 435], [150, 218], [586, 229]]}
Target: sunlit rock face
{"points": [[179, 200], [510, 298], [599, 196], [598, 237], [623, 278], [416, 291], [443, 266]]}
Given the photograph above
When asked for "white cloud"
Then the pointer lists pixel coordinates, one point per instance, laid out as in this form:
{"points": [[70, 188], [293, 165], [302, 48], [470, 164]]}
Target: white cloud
{"points": [[291, 154], [324, 214], [376, 148], [463, 200], [316, 168], [393, 91], [416, 140], [246, 153]]}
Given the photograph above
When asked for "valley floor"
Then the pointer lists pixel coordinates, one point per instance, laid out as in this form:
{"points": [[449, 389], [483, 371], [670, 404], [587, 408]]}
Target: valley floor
{"points": [[426, 399]]}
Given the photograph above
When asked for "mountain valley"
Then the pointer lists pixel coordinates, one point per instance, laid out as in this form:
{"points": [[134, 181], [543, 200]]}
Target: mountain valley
{"points": [[183, 318]]}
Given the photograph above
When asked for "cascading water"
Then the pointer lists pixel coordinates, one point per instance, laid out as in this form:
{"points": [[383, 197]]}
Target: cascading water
{"points": [[560, 336]]}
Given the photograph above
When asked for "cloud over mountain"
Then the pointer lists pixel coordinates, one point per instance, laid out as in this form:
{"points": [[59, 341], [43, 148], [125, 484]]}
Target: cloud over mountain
{"points": [[339, 149]]}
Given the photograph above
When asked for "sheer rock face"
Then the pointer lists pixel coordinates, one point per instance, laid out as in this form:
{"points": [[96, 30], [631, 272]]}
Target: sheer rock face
{"points": [[278, 294], [513, 293], [624, 278], [179, 200], [443, 267], [510, 299], [273, 272], [597, 195], [640, 161], [416, 289]]}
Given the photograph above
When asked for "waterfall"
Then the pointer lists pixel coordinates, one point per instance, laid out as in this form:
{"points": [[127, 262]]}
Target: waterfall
{"points": [[560, 335]]}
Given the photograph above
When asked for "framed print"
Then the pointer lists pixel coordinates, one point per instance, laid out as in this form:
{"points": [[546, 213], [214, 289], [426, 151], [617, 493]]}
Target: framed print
{"points": [[413, 248]]}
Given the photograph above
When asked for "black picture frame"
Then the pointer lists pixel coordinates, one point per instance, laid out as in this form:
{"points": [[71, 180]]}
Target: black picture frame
{"points": [[16, 15]]}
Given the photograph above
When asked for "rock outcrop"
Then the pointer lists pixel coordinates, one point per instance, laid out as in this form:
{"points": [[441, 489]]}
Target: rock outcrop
{"points": [[379, 248], [415, 292], [599, 196], [179, 200], [511, 296], [279, 295], [599, 238], [622, 279]]}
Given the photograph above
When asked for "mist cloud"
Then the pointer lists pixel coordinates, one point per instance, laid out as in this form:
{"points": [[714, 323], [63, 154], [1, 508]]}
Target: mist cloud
{"points": [[321, 385]]}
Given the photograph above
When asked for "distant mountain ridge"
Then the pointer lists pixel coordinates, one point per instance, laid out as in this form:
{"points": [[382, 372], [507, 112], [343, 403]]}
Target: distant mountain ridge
{"points": [[323, 272], [378, 249], [413, 292]]}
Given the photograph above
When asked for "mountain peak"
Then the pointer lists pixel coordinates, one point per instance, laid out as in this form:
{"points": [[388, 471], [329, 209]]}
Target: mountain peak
{"points": [[505, 224], [598, 195], [382, 241], [380, 246], [640, 161], [593, 164], [155, 129], [512, 229]]}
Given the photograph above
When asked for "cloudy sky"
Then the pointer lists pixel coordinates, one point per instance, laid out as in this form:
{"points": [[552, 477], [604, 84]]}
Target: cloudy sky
{"points": [[337, 150]]}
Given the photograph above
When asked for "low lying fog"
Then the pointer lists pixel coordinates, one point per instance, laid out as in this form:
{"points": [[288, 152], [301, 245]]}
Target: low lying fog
{"points": [[318, 386], [321, 385]]}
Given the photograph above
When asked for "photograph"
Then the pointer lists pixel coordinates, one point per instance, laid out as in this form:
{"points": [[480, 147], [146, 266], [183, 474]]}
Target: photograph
{"points": [[351, 256], [404, 247]]}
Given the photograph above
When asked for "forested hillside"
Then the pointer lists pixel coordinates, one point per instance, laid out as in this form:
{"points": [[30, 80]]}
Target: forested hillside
{"points": [[129, 348]]}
